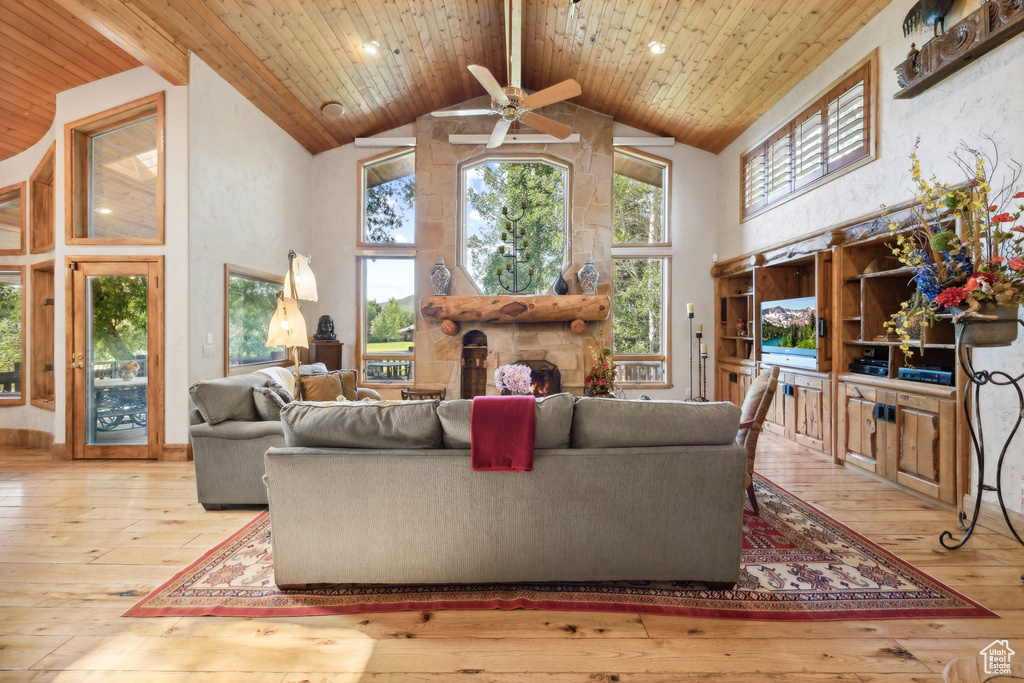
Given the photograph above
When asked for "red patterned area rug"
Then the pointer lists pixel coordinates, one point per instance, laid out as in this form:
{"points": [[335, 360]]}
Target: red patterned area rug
{"points": [[799, 564]]}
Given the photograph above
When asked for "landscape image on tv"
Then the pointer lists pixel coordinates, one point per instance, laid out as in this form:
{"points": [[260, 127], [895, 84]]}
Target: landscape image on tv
{"points": [[789, 324]]}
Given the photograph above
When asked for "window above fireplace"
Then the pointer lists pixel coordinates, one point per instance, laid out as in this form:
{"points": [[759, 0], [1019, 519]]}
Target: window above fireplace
{"points": [[533, 192]]}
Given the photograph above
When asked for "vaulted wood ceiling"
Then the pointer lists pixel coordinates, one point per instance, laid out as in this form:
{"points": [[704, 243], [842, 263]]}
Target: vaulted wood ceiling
{"points": [[44, 50], [726, 61]]}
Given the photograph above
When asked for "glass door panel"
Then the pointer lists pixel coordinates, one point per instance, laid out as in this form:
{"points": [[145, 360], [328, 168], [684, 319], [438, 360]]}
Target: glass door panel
{"points": [[117, 343]]}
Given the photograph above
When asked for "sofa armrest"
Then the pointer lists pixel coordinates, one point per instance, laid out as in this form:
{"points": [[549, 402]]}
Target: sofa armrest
{"points": [[237, 430], [362, 393]]}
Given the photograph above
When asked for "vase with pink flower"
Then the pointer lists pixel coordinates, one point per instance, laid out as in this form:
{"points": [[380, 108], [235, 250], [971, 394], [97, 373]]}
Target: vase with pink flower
{"points": [[514, 380]]}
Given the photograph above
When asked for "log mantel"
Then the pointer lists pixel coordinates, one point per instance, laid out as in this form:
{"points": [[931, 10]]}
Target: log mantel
{"points": [[497, 310]]}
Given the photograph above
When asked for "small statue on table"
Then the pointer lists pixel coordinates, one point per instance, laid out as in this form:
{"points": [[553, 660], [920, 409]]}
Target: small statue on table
{"points": [[325, 329]]}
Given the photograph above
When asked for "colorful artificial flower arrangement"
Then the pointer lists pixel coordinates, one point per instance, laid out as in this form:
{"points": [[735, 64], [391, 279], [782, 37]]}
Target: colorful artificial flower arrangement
{"points": [[129, 369], [516, 379], [601, 378], [966, 248]]}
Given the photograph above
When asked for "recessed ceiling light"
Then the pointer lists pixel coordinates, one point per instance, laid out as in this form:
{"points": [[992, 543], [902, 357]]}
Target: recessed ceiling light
{"points": [[333, 109], [371, 48], [104, 210], [657, 47]]}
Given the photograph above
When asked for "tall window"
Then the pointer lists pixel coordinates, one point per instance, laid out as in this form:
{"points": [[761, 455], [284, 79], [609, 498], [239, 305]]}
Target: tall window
{"points": [[830, 134], [640, 212], [388, 319], [12, 335], [525, 196], [388, 207], [12, 219], [250, 302], [117, 187], [640, 320]]}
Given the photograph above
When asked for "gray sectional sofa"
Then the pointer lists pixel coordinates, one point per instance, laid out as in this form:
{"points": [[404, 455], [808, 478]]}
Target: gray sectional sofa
{"points": [[621, 490]]}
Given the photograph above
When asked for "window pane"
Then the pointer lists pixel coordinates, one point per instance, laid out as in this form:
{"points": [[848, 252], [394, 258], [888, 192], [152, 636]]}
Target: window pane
{"points": [[123, 181], [251, 305], [10, 333], [388, 328], [846, 122], [637, 306], [638, 200], [490, 187], [778, 166], [117, 348], [808, 154], [389, 205], [10, 221], [754, 179]]}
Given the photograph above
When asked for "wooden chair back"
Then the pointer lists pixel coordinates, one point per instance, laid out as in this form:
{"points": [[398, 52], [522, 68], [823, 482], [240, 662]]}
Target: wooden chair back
{"points": [[420, 394], [754, 411]]}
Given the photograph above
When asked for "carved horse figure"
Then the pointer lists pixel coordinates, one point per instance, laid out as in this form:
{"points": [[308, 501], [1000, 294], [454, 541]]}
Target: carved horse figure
{"points": [[928, 13]]}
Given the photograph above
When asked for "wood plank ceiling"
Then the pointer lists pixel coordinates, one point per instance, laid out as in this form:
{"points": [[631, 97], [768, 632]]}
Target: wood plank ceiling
{"points": [[44, 50], [726, 61]]}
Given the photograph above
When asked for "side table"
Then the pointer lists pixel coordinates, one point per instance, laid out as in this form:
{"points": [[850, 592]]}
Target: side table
{"points": [[326, 352]]}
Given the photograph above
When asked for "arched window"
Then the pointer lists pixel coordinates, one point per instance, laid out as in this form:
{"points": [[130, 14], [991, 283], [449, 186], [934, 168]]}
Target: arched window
{"points": [[522, 198]]}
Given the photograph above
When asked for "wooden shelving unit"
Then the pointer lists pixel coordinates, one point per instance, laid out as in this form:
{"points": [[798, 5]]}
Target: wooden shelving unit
{"points": [[41, 379]]}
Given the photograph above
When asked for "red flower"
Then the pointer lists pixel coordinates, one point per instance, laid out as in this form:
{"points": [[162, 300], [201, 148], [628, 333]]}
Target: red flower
{"points": [[588, 381], [997, 259], [1019, 195], [988, 277], [1017, 228], [1002, 218], [600, 382], [951, 296], [605, 366], [972, 284], [993, 207], [1016, 264]]}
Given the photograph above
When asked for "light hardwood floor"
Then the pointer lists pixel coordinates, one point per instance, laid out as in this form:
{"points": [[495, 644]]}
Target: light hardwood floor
{"points": [[82, 542]]}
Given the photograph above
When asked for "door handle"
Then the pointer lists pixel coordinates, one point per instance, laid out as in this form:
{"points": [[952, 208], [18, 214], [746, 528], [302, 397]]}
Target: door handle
{"points": [[80, 364]]}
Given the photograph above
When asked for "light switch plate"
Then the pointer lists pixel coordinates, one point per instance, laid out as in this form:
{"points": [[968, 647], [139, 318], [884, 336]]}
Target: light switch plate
{"points": [[209, 337], [209, 350]]}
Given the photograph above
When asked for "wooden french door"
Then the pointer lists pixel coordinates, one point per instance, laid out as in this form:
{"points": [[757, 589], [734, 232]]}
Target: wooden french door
{"points": [[115, 340]]}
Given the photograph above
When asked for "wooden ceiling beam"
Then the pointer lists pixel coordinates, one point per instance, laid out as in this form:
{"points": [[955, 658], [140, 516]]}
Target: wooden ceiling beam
{"points": [[134, 32]]}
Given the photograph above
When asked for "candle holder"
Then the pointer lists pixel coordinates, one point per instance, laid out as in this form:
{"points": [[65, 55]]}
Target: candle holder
{"points": [[514, 236], [702, 370], [689, 323]]}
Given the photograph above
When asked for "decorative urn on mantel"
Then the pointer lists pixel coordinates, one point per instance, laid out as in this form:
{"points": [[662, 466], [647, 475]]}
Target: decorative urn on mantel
{"points": [[440, 277], [588, 277]]}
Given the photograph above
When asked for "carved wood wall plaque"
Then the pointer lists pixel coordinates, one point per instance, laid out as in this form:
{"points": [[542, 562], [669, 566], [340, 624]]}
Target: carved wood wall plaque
{"points": [[979, 32]]}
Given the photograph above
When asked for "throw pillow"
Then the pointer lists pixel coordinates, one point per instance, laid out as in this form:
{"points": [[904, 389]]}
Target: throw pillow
{"points": [[312, 369], [348, 383], [227, 398], [268, 403], [285, 395], [320, 387]]}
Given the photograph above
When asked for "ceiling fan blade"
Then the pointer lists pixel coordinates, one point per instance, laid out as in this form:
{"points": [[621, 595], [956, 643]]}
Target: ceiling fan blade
{"points": [[498, 136], [462, 112], [546, 125], [556, 93], [489, 82]]}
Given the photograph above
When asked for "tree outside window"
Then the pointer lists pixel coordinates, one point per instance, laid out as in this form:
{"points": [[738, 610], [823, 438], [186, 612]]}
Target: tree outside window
{"points": [[388, 324], [389, 213], [252, 300], [639, 199], [11, 337], [490, 186]]}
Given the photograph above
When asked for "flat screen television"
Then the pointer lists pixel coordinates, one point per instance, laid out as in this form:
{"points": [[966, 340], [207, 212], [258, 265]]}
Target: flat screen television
{"points": [[789, 332]]}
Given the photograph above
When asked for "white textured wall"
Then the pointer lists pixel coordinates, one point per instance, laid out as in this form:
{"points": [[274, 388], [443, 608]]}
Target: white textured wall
{"points": [[250, 202], [84, 101], [984, 98], [692, 201], [335, 232]]}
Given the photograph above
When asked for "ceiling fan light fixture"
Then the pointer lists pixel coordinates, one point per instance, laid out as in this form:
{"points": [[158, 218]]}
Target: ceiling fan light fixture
{"points": [[372, 47], [657, 47], [333, 110]]}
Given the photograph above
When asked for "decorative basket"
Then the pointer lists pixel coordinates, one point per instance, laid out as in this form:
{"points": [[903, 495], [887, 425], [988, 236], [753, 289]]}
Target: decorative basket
{"points": [[986, 332]]}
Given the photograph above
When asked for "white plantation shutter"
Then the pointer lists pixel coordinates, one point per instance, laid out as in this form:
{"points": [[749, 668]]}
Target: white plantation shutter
{"points": [[808, 152], [779, 170], [846, 126], [753, 174]]}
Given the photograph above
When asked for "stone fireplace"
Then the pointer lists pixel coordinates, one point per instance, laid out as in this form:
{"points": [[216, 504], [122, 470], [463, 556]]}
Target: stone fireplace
{"points": [[441, 359]]}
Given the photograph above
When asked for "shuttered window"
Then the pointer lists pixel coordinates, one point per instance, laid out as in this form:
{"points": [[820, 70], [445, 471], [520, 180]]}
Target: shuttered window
{"points": [[831, 133]]}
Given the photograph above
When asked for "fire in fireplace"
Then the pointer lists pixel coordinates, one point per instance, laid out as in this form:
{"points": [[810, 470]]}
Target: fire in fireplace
{"points": [[544, 377]]}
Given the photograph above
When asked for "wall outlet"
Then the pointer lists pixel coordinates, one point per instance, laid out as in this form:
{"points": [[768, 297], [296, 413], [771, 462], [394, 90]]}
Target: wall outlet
{"points": [[714, 258], [209, 350]]}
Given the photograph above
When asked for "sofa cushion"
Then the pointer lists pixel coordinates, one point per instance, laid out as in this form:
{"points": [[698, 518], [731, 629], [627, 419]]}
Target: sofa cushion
{"points": [[227, 398], [379, 425], [280, 390], [268, 403], [320, 387], [554, 419], [348, 383], [620, 423], [236, 431], [312, 369]]}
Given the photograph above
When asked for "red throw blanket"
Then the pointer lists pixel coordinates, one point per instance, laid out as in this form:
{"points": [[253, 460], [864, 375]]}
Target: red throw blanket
{"points": [[502, 430]]}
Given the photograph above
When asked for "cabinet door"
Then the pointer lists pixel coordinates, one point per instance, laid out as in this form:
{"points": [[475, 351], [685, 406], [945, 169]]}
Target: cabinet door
{"points": [[862, 437], [812, 414], [732, 383], [775, 420], [924, 461]]}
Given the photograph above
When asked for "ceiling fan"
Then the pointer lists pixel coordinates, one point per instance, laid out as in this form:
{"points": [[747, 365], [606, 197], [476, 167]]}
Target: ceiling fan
{"points": [[511, 103]]}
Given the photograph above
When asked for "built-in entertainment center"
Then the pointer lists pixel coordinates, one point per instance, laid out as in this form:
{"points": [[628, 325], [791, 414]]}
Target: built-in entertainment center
{"points": [[817, 309]]}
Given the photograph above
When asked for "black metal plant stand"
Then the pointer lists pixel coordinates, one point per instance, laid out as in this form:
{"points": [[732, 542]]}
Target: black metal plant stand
{"points": [[976, 379]]}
